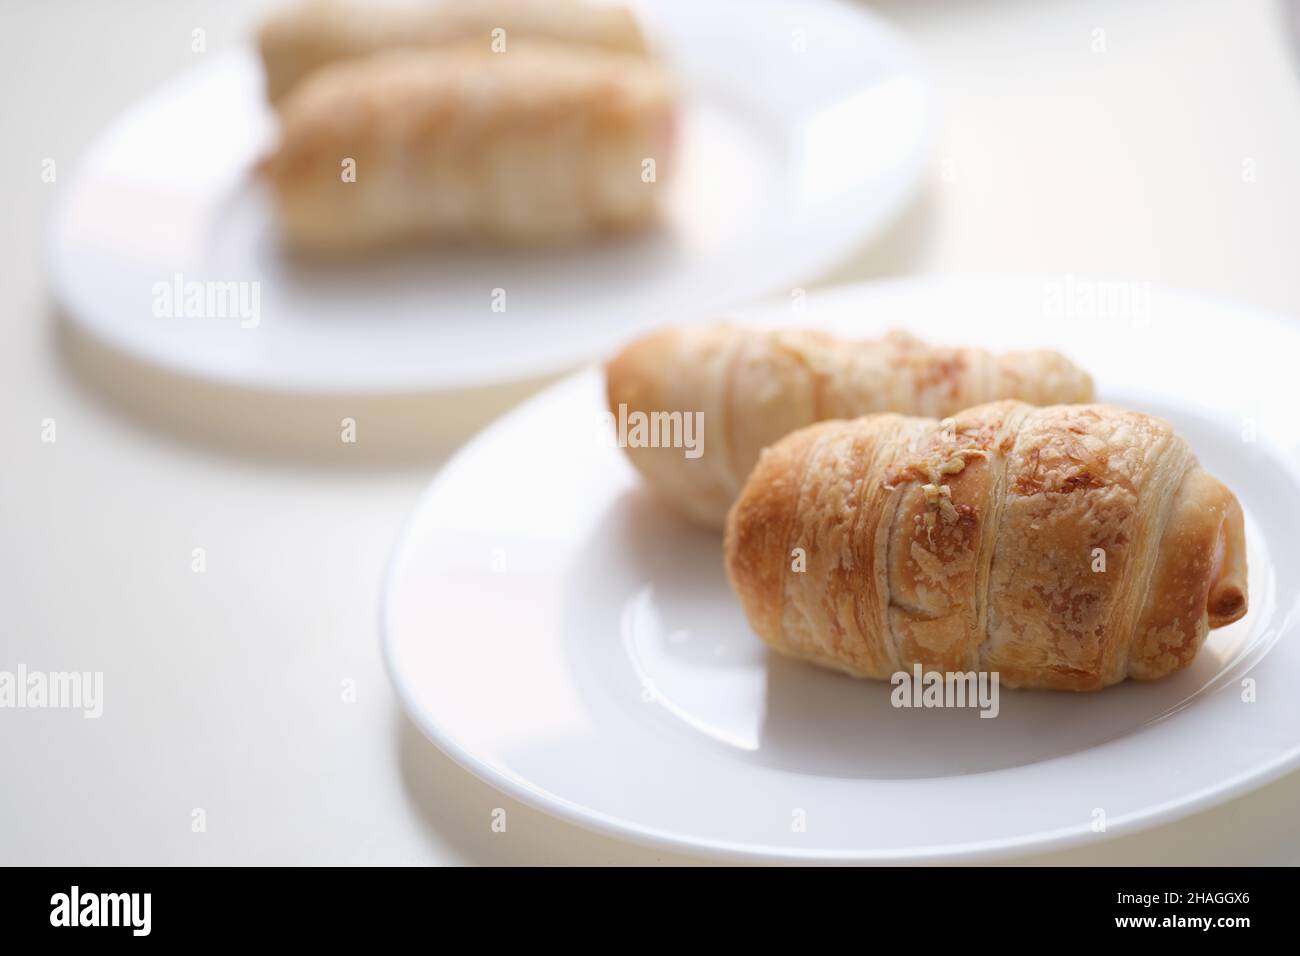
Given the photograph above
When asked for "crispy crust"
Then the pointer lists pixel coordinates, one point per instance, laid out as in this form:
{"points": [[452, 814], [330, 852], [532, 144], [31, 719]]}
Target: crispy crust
{"points": [[535, 146], [1066, 547], [301, 39], [941, 540], [1199, 578], [699, 487], [776, 382], [759, 528]]}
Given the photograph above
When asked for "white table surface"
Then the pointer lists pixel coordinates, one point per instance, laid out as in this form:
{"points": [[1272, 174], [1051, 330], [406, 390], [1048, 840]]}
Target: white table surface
{"points": [[223, 689]]}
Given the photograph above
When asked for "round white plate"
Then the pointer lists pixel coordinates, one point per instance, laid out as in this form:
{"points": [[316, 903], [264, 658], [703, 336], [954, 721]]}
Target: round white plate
{"points": [[805, 128], [567, 639]]}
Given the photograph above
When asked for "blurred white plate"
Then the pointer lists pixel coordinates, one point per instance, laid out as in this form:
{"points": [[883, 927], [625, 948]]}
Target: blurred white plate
{"points": [[568, 640], [805, 129]]}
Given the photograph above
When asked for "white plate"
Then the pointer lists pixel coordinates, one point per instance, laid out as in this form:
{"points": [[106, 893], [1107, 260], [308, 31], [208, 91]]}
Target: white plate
{"points": [[539, 592], [790, 161]]}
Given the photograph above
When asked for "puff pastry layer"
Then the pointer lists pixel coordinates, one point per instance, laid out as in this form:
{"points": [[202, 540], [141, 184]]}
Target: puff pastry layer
{"points": [[302, 38], [754, 386], [1065, 547], [535, 146]]}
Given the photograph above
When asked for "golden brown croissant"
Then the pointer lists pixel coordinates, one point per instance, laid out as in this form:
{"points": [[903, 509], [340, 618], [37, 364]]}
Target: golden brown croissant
{"points": [[1064, 547], [750, 387], [312, 34], [533, 146]]}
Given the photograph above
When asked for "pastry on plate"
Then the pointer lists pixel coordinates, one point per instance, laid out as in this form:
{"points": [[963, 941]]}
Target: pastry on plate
{"points": [[750, 387], [1065, 547], [536, 146], [309, 35]]}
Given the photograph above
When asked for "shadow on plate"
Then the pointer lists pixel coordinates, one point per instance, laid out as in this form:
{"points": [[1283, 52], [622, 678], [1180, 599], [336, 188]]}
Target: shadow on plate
{"points": [[675, 627]]}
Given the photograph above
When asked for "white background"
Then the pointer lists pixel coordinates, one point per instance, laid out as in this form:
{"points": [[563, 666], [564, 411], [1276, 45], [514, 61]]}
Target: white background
{"points": [[223, 689]]}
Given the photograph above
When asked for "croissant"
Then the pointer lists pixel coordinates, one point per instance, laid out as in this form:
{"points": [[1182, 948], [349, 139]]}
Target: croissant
{"points": [[534, 146], [1064, 547], [750, 387], [312, 34]]}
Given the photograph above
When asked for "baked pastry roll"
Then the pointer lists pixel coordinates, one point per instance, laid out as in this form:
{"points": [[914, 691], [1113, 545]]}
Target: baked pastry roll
{"points": [[302, 38], [533, 146], [752, 386], [1065, 547]]}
